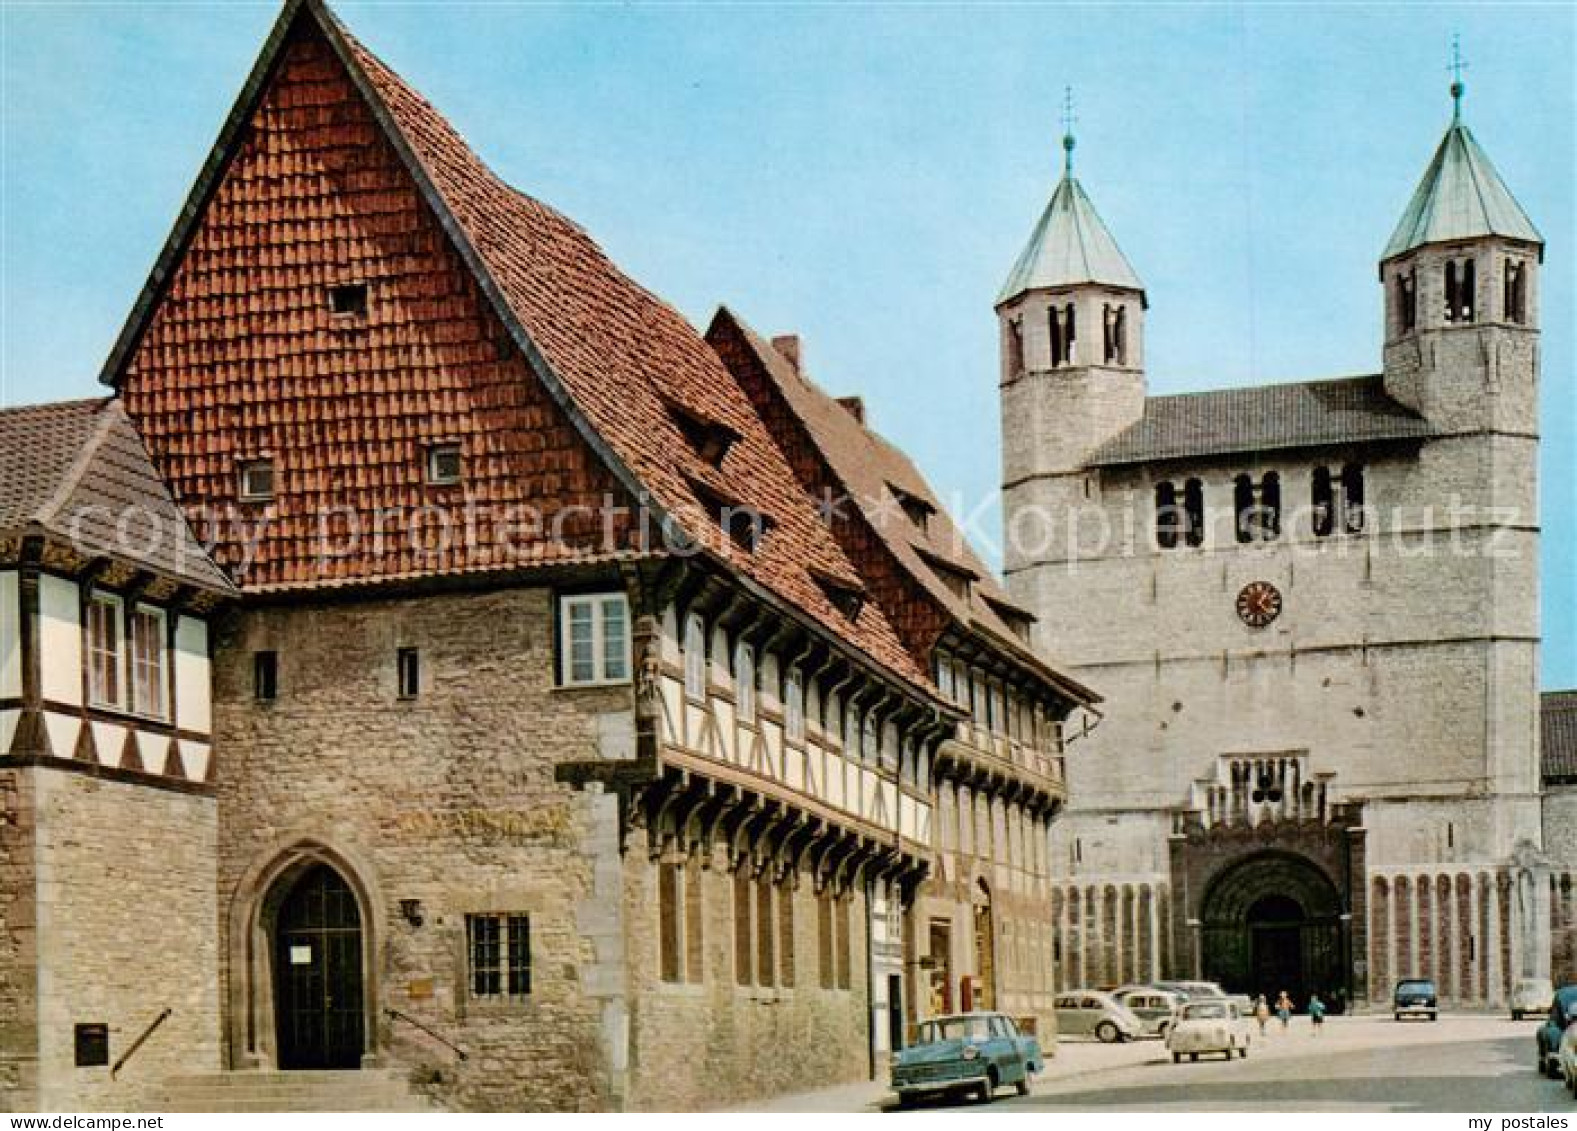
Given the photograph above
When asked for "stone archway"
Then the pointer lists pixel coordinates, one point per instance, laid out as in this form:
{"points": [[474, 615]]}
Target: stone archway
{"points": [[1273, 921], [256, 952]]}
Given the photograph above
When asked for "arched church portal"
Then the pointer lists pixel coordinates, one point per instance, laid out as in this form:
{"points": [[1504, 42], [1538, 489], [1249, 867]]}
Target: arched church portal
{"points": [[1273, 922]]}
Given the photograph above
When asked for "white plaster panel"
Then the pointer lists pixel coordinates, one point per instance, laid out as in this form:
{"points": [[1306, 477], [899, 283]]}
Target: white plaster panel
{"points": [[60, 639], [10, 638], [192, 684]]}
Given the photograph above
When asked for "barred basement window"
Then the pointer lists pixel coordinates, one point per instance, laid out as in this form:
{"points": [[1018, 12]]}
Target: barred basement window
{"points": [[499, 948], [265, 676]]}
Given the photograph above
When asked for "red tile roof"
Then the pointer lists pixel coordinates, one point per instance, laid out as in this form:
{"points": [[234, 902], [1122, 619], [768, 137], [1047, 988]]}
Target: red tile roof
{"points": [[609, 355]]}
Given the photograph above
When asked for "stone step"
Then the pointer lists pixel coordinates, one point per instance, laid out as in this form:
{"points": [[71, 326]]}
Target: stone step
{"points": [[290, 1091]]}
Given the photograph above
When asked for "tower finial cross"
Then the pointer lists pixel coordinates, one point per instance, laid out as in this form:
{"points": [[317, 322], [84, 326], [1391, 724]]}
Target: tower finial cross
{"points": [[1457, 66], [1068, 121]]}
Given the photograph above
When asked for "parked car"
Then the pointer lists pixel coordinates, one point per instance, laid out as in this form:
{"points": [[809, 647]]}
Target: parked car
{"points": [[1531, 997], [1566, 1059], [1563, 1011], [966, 1052], [1209, 1025], [1095, 1013], [1153, 1007], [1415, 997], [1191, 990]]}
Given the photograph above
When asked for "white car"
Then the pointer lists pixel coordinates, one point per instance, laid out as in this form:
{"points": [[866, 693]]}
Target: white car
{"points": [[1208, 1025]]}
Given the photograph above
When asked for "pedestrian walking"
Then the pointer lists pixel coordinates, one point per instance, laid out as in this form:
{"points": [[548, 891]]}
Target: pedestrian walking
{"points": [[1284, 1008], [1316, 1013], [1261, 1013]]}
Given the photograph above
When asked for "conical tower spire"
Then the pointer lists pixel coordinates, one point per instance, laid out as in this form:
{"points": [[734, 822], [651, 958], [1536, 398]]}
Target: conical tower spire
{"points": [[1461, 195], [1071, 244]]}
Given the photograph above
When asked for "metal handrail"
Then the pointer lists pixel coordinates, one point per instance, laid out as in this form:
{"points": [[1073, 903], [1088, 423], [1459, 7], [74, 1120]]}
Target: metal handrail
{"points": [[396, 1015], [140, 1041]]}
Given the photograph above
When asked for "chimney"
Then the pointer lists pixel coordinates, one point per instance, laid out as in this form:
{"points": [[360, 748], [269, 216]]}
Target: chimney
{"points": [[856, 407], [788, 346]]}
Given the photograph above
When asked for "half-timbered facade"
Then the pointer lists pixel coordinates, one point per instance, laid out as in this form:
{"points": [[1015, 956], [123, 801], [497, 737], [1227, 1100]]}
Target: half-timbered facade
{"points": [[980, 933], [106, 761]]}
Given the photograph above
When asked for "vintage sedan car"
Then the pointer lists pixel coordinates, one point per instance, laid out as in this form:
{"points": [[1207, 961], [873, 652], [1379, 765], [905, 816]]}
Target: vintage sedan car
{"points": [[1191, 990], [1208, 1025], [1415, 997], [1566, 1059], [967, 1052], [1095, 1013], [1153, 1008], [1547, 1041], [1531, 997]]}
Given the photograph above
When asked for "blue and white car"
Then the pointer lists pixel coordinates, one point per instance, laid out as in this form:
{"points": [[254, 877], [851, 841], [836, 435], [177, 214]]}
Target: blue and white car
{"points": [[967, 1052]]}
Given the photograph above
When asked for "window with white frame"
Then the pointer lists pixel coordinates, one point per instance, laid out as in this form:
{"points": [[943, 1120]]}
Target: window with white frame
{"points": [[149, 694], [595, 638], [745, 682], [104, 650], [695, 658], [794, 706]]}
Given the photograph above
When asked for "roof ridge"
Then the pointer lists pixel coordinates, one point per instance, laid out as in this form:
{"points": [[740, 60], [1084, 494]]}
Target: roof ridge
{"points": [[1303, 384]]}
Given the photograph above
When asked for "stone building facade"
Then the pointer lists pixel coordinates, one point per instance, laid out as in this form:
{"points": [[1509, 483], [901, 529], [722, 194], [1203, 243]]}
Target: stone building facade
{"points": [[1319, 632], [564, 752]]}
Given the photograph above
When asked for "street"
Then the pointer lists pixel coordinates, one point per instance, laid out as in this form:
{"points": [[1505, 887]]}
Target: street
{"points": [[1460, 1063]]}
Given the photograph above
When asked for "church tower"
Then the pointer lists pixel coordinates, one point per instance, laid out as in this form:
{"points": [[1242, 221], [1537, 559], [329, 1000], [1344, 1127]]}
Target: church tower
{"points": [[1072, 346], [1461, 278]]}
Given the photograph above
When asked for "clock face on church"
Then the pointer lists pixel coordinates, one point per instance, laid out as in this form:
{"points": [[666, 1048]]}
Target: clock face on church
{"points": [[1259, 603]]}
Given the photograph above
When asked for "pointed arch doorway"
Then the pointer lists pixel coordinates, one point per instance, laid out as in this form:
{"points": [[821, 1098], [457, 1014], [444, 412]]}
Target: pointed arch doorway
{"points": [[318, 982]]}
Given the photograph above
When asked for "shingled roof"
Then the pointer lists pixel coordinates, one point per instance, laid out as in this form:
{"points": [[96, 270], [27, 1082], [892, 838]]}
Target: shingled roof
{"points": [[875, 476], [78, 472], [1558, 737], [1264, 418], [616, 359]]}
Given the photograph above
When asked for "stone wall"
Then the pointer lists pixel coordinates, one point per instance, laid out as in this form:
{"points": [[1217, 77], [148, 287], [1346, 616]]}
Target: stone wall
{"points": [[714, 1043], [18, 948], [126, 928]]}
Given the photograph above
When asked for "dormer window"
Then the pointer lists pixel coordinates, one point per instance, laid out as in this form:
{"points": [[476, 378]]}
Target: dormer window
{"points": [[958, 578], [1460, 293], [348, 300], [1060, 322], [1407, 300], [1516, 292], [916, 509], [1116, 335], [443, 465], [255, 480], [746, 526], [846, 598], [709, 439]]}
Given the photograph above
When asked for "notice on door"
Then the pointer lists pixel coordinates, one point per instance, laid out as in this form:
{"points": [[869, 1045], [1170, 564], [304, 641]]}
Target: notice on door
{"points": [[301, 956]]}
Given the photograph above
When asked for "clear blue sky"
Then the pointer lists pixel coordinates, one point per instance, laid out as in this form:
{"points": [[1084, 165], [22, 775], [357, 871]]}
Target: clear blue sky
{"points": [[862, 175]]}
